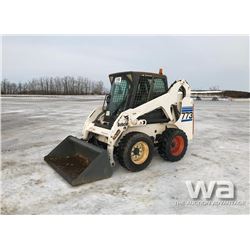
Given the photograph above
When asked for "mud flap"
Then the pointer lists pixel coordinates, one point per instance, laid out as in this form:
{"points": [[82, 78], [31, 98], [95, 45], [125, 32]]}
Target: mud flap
{"points": [[79, 162]]}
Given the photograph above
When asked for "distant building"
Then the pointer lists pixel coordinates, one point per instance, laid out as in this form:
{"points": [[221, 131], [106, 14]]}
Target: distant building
{"points": [[219, 94]]}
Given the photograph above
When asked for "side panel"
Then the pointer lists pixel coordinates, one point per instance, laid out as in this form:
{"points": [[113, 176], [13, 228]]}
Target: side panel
{"points": [[186, 119]]}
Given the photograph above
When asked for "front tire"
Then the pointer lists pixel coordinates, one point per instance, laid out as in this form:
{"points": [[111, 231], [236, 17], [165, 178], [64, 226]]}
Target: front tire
{"points": [[173, 144], [135, 151]]}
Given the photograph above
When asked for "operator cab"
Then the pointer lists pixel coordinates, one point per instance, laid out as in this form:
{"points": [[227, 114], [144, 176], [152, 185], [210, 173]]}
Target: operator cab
{"points": [[131, 89]]}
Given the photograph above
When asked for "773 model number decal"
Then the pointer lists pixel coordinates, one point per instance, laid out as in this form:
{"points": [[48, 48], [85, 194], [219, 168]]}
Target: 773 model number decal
{"points": [[186, 114]]}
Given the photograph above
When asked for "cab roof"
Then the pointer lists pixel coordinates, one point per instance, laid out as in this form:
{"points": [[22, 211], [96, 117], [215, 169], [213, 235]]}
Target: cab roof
{"points": [[137, 73]]}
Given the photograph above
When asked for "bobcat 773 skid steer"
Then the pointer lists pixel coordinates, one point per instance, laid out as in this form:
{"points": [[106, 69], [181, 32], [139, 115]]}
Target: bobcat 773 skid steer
{"points": [[140, 113]]}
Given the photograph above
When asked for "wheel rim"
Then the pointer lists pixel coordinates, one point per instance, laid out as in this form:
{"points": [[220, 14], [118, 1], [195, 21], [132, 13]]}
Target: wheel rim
{"points": [[139, 152], [177, 145]]}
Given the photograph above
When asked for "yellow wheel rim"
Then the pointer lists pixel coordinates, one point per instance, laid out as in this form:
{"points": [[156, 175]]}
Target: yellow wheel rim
{"points": [[139, 152]]}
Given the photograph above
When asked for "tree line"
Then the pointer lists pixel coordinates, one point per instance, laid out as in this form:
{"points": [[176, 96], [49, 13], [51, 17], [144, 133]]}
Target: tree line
{"points": [[66, 85]]}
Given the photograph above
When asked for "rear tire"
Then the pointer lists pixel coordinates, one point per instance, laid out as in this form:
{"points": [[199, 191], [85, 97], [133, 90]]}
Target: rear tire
{"points": [[173, 144], [135, 151]]}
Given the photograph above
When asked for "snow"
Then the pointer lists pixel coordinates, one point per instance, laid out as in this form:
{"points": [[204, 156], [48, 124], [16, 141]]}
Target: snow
{"points": [[33, 126]]}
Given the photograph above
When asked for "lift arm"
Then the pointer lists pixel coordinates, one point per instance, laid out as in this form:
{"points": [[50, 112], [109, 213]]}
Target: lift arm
{"points": [[164, 102]]}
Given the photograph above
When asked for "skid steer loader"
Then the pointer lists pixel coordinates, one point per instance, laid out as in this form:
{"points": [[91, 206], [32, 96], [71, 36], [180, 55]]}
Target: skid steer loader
{"points": [[140, 113]]}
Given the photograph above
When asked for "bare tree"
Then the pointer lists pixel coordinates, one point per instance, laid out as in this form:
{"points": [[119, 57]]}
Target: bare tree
{"points": [[98, 88], [214, 88], [4, 85], [66, 85]]}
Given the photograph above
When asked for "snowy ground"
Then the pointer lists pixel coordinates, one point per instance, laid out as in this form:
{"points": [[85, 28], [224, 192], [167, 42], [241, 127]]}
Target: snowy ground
{"points": [[33, 126]]}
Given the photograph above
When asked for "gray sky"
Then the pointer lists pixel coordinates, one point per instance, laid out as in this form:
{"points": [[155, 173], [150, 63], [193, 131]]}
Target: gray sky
{"points": [[204, 61]]}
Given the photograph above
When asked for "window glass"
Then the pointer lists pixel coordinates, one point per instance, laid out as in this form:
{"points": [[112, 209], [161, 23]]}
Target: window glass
{"points": [[119, 91], [142, 90], [149, 86], [159, 87]]}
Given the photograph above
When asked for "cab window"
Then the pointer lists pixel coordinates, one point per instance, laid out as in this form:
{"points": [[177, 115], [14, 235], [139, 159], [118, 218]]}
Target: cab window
{"points": [[143, 90], [148, 89], [159, 87], [119, 92]]}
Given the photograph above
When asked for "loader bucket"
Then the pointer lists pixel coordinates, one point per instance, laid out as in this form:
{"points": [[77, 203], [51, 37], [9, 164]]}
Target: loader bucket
{"points": [[79, 162]]}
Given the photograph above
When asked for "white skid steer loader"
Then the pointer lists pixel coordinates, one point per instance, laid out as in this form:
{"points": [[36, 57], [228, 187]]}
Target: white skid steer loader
{"points": [[140, 113]]}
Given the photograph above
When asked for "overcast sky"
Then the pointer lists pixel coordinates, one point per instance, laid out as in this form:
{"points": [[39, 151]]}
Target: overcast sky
{"points": [[204, 61]]}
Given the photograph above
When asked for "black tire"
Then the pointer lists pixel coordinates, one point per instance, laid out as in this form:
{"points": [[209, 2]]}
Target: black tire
{"points": [[127, 158], [173, 144]]}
